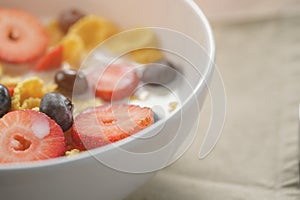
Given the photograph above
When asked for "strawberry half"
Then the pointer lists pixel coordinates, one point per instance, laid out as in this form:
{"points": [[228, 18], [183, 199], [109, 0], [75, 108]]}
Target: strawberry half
{"points": [[102, 125], [52, 60], [22, 36], [116, 82], [27, 135]]}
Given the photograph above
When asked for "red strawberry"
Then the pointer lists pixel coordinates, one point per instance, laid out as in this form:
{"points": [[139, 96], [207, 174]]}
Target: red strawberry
{"points": [[116, 82], [11, 91], [22, 36], [102, 125], [27, 135], [70, 144], [52, 60]]}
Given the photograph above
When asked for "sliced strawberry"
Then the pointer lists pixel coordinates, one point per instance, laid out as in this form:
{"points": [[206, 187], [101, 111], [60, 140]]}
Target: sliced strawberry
{"points": [[27, 135], [116, 82], [52, 60], [22, 36], [70, 144], [102, 125], [11, 91]]}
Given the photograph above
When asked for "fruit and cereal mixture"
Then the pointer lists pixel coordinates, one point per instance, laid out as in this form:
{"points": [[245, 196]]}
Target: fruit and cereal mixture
{"points": [[39, 69]]}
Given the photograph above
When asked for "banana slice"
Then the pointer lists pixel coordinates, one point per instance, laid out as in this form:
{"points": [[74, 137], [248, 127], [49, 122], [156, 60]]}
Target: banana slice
{"points": [[93, 30]]}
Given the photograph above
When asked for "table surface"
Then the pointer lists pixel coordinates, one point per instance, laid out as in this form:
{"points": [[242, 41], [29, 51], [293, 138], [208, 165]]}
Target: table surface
{"points": [[257, 154]]}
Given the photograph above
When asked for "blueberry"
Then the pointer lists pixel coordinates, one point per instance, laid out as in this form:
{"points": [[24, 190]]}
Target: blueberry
{"points": [[59, 108], [5, 100], [159, 73]]}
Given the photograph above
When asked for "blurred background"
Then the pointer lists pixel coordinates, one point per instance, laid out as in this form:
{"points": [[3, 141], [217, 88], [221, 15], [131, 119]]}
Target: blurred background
{"points": [[257, 156], [239, 10]]}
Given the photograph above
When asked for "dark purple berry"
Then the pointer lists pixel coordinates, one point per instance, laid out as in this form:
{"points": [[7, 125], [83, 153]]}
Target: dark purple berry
{"points": [[69, 17], [71, 81], [5, 100], [59, 108], [159, 73]]}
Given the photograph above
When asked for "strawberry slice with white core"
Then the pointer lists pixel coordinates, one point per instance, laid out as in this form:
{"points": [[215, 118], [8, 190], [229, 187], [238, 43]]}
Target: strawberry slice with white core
{"points": [[27, 135], [102, 125], [116, 82], [23, 38]]}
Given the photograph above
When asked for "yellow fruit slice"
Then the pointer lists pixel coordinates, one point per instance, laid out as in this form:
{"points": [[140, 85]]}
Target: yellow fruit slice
{"points": [[93, 30], [73, 49], [54, 32]]}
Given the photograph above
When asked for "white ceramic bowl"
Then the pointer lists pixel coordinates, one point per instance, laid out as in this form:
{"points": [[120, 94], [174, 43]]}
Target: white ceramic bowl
{"points": [[113, 171]]}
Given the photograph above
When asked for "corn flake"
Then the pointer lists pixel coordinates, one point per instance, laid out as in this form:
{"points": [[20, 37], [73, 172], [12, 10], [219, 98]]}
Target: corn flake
{"points": [[141, 42], [10, 81], [80, 105], [93, 30], [1, 70], [28, 94], [146, 56], [73, 50], [31, 103], [172, 106], [51, 87], [37, 109], [72, 152], [54, 32]]}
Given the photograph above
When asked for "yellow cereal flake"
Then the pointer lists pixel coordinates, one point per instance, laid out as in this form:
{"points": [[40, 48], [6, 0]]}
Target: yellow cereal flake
{"points": [[28, 94], [80, 105], [10, 81], [50, 87], [134, 98], [73, 49], [1, 70], [93, 30], [54, 32], [36, 109], [146, 56], [31, 103], [130, 40], [141, 43], [172, 106], [72, 152]]}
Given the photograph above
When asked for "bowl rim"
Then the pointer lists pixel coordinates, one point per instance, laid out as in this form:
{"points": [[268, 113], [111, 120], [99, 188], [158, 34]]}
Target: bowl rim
{"points": [[207, 75]]}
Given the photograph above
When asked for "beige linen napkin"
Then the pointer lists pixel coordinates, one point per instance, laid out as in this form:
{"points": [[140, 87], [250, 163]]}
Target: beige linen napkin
{"points": [[257, 155]]}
